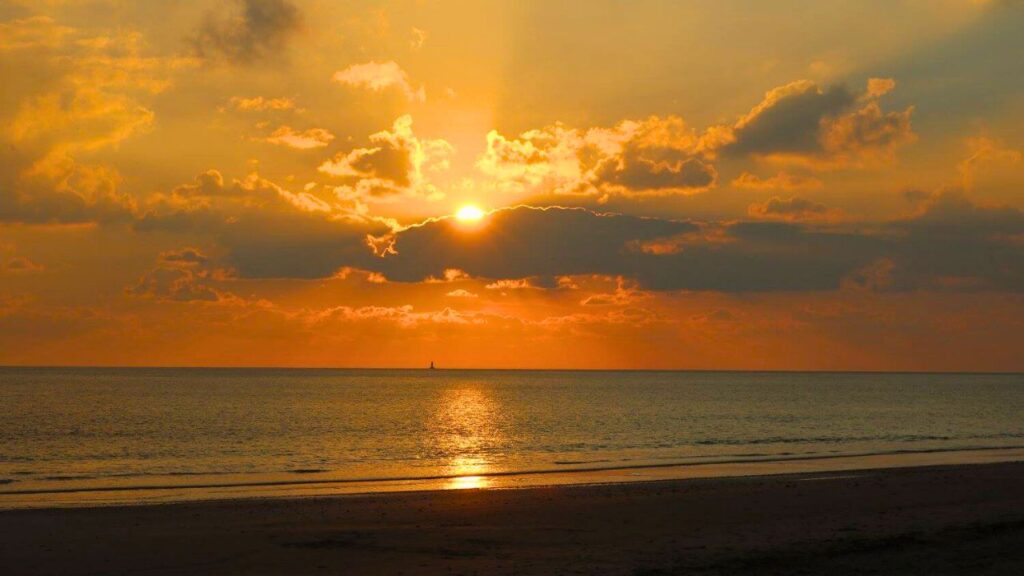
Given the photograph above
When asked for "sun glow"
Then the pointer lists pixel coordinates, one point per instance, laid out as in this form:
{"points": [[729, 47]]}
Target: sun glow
{"points": [[469, 214], [467, 483]]}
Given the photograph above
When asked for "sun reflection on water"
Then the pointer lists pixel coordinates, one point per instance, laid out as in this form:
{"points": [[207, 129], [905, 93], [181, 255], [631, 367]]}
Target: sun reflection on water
{"points": [[467, 435], [467, 482]]}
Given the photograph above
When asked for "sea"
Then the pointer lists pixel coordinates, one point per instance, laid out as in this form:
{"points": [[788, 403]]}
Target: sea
{"points": [[81, 433]]}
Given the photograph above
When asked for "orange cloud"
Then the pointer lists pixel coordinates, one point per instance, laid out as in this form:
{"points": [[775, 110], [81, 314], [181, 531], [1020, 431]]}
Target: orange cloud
{"points": [[380, 76], [397, 163], [792, 209], [654, 156], [984, 150], [304, 140], [13, 263], [178, 282], [516, 284], [261, 104], [780, 181], [71, 94]]}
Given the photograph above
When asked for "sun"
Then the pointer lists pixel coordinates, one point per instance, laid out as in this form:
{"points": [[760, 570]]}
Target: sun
{"points": [[469, 214]]}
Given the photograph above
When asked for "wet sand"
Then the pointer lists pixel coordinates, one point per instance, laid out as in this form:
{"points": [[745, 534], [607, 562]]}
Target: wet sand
{"points": [[925, 520]]}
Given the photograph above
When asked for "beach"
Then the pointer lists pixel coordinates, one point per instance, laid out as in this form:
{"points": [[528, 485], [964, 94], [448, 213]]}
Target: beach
{"points": [[962, 519]]}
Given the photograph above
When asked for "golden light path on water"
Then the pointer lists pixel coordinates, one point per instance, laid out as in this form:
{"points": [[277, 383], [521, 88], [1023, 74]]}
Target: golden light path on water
{"points": [[466, 432]]}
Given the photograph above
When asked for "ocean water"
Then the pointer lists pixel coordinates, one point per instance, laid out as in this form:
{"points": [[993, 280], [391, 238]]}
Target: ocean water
{"points": [[79, 426]]}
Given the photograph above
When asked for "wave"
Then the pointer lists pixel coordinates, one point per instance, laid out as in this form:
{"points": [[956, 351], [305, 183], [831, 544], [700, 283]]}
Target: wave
{"points": [[495, 474]]}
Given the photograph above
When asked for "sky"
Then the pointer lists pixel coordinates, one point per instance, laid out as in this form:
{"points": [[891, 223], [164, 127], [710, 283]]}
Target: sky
{"points": [[692, 184]]}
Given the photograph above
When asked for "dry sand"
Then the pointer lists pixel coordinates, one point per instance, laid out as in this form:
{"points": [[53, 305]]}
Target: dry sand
{"points": [[927, 520]]}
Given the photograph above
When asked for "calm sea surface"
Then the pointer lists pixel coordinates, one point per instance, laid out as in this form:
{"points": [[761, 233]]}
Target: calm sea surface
{"points": [[68, 425]]}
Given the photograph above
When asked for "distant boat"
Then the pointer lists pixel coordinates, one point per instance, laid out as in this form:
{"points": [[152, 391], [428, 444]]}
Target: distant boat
{"points": [[432, 365]]}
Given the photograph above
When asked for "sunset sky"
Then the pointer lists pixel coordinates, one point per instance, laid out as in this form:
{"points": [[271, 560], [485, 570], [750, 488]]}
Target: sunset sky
{"points": [[705, 184]]}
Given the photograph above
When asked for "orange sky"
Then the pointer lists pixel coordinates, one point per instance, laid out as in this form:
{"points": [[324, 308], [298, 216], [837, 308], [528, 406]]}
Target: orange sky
{"points": [[699, 184]]}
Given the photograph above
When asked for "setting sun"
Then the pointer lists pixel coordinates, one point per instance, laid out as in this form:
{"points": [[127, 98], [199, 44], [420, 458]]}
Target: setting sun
{"points": [[469, 213]]}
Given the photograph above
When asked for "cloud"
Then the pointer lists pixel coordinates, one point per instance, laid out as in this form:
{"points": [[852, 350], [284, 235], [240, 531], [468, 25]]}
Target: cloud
{"points": [[634, 317], [12, 263], [984, 150], [183, 257], [516, 284], [776, 208], [624, 294], [654, 156], [803, 123], [461, 293], [703, 234], [397, 163], [954, 244], [951, 243], [304, 140], [33, 32], [265, 230], [211, 198], [403, 316], [20, 265], [780, 181], [523, 242], [799, 123], [180, 276], [260, 30], [417, 38], [261, 104], [378, 77], [63, 191], [69, 94], [450, 274]]}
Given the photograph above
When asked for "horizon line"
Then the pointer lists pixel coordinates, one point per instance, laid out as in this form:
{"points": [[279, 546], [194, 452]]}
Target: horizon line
{"points": [[481, 369]]}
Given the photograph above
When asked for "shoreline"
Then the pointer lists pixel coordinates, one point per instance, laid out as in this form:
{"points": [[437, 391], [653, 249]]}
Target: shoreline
{"points": [[286, 485], [935, 520]]}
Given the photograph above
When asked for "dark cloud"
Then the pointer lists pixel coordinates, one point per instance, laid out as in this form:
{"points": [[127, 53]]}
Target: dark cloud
{"points": [[175, 284], [658, 172], [789, 119], [955, 244], [297, 246], [180, 276], [788, 209], [950, 243], [656, 156], [534, 243], [184, 257], [525, 242], [830, 127], [62, 207], [260, 30], [265, 230], [762, 257]]}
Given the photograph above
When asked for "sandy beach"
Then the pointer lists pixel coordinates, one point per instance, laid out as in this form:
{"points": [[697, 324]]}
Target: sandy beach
{"points": [[921, 520]]}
